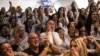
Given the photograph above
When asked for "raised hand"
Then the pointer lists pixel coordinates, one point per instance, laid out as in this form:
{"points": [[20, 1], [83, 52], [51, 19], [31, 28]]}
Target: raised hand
{"points": [[10, 3], [46, 42], [74, 52], [91, 38]]}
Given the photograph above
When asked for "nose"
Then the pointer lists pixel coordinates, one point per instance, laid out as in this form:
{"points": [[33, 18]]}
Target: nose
{"points": [[37, 39], [72, 48], [8, 49]]}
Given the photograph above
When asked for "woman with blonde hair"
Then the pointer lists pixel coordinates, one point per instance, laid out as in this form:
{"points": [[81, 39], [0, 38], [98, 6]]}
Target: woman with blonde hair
{"points": [[77, 48], [19, 38]]}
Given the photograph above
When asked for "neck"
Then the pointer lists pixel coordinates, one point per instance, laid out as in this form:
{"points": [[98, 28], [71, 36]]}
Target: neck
{"points": [[35, 49], [49, 31]]}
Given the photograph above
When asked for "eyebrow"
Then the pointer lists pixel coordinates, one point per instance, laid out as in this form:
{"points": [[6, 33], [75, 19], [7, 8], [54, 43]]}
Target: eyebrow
{"points": [[33, 37]]}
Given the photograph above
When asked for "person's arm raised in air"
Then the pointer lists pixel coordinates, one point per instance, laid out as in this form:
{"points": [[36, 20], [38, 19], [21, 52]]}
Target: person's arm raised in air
{"points": [[10, 5]]}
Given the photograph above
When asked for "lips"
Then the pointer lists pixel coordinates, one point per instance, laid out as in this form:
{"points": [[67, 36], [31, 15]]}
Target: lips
{"points": [[36, 42], [9, 50]]}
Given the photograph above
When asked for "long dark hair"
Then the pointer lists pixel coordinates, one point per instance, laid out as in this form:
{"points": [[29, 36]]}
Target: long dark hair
{"points": [[69, 18], [81, 17], [89, 22], [59, 12]]}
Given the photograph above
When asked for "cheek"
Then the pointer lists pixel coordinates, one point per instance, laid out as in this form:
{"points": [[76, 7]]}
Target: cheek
{"points": [[53, 26], [21, 33], [31, 42], [4, 51], [77, 49], [86, 41], [48, 26], [61, 33], [34, 44], [94, 17], [71, 29]]}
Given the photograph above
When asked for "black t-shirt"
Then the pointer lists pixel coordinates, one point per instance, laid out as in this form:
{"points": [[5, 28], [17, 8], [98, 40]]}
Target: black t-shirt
{"points": [[30, 52]]}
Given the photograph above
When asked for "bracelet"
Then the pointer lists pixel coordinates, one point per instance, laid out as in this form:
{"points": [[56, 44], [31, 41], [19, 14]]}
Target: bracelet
{"points": [[46, 48]]}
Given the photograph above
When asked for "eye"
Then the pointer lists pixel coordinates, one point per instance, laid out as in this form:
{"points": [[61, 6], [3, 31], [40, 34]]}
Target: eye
{"points": [[75, 45]]}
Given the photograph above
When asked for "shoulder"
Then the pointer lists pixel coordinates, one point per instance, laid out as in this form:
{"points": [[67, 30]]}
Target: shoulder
{"points": [[55, 33], [42, 33], [26, 50], [2, 39]]}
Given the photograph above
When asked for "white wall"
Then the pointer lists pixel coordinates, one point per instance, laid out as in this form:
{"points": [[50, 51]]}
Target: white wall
{"points": [[33, 3], [23, 3], [83, 3]]}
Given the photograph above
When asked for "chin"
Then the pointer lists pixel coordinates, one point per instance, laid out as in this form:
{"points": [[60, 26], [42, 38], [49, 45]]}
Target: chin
{"points": [[36, 45]]}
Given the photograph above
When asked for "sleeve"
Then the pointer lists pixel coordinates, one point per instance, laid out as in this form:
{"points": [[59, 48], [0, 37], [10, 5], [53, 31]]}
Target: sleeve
{"points": [[91, 50], [57, 39]]}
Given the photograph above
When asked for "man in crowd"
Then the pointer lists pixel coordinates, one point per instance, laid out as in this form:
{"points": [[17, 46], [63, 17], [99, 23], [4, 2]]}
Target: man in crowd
{"points": [[40, 50]]}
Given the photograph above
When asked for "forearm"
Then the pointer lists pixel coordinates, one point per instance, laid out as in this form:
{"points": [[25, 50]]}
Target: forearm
{"points": [[44, 52], [93, 40], [10, 5], [97, 44], [55, 50]]}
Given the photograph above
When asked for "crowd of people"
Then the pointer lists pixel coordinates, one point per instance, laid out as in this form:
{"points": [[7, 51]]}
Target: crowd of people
{"points": [[45, 31]]}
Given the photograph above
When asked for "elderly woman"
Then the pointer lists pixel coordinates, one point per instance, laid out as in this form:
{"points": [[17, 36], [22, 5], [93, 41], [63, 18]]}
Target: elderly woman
{"points": [[6, 50]]}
